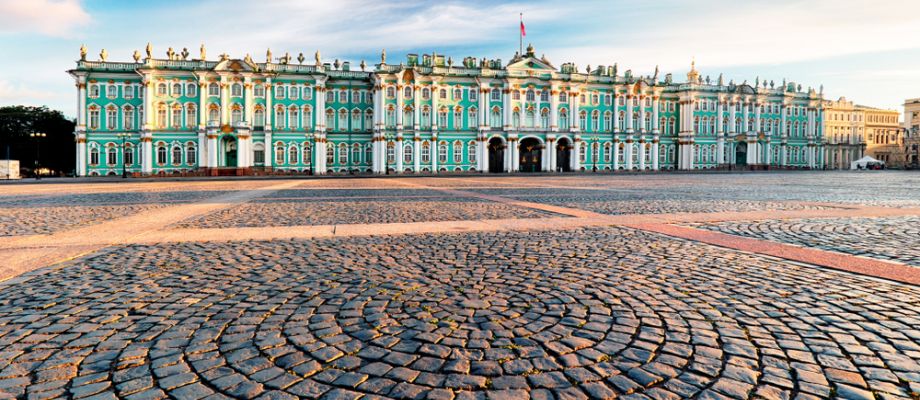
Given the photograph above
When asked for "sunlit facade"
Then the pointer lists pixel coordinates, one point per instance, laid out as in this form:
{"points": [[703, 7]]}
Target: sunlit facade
{"points": [[429, 114]]}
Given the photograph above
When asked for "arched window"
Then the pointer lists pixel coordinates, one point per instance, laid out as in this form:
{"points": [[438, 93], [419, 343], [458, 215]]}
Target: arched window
{"points": [[544, 118], [129, 155], [458, 152], [128, 118], [608, 151], [236, 114], [408, 116], [111, 155], [472, 118], [407, 92], [426, 152], [307, 153], [563, 97], [236, 90], [356, 153], [111, 118], [426, 93], [442, 152], [530, 119], [213, 113], [93, 118], [391, 153], [161, 154], [213, 89], [176, 116], [407, 153], [307, 118], [426, 117], [595, 121], [258, 117], [496, 94], [294, 116], [161, 116], [191, 154], [458, 94], [391, 92], [391, 117], [471, 151], [343, 154], [583, 120], [279, 154], [330, 119], [191, 116], [608, 118], [516, 118], [563, 118], [530, 95], [176, 155], [280, 121], [161, 89], [191, 90], [621, 121], [292, 155], [458, 118], [343, 120], [496, 118]]}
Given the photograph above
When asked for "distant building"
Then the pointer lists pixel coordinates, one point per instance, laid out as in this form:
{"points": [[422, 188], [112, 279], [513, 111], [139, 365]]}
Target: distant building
{"points": [[911, 132], [843, 133], [884, 136], [428, 113]]}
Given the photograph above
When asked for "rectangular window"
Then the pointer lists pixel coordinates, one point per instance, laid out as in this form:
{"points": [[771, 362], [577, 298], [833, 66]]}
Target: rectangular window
{"points": [[279, 92], [307, 93], [258, 90], [111, 91], [129, 156], [94, 91], [474, 95], [129, 92]]}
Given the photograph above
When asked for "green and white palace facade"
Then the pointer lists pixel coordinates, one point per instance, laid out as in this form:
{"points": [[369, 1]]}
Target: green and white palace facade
{"points": [[428, 115]]}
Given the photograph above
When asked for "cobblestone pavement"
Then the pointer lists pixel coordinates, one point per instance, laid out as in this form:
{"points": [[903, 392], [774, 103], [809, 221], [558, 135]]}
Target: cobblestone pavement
{"points": [[358, 211], [566, 314], [16, 221], [895, 239], [511, 297]]}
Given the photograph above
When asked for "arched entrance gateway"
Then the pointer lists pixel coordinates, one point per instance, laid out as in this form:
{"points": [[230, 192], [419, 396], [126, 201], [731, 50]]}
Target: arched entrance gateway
{"points": [[741, 154], [564, 149], [228, 151], [531, 152], [496, 155]]}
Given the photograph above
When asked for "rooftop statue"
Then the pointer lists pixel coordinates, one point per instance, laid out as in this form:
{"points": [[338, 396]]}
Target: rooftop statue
{"points": [[149, 50], [204, 53], [103, 55], [137, 56], [82, 52]]}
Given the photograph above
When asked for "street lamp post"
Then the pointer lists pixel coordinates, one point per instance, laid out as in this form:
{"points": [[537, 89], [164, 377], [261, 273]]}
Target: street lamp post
{"points": [[38, 136], [124, 149], [594, 151]]}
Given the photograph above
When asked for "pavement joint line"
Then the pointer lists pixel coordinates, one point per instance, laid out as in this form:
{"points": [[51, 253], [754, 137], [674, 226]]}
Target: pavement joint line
{"points": [[118, 231]]}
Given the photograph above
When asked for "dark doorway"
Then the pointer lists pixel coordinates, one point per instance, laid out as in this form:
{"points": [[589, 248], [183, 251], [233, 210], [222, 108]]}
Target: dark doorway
{"points": [[564, 155], [496, 155], [229, 143], [741, 154], [531, 150]]}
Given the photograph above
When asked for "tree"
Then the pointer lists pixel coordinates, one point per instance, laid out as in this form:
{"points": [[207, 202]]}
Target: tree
{"points": [[57, 148]]}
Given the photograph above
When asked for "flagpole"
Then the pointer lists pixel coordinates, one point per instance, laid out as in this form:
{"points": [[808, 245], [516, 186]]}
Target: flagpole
{"points": [[521, 36]]}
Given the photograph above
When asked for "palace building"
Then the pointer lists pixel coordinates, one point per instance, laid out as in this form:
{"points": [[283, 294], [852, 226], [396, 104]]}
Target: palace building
{"points": [[428, 114]]}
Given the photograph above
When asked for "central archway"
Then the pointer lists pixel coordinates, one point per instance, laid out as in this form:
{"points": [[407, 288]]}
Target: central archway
{"points": [[741, 154], [228, 143], [564, 149], [496, 155], [531, 155]]}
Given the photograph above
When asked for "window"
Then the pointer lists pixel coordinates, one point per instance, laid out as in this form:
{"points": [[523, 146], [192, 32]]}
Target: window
{"points": [[176, 117], [293, 92], [129, 155], [258, 90], [213, 89], [279, 118], [191, 116], [128, 118], [307, 93], [307, 118], [442, 118], [407, 92], [236, 90], [442, 152], [496, 118], [356, 153], [563, 97], [471, 151], [472, 118], [458, 118], [111, 91], [426, 94], [191, 90], [258, 117], [94, 91], [407, 154], [279, 92], [608, 119], [458, 94], [279, 154], [176, 89], [544, 95], [343, 120], [292, 155], [236, 115], [442, 94], [582, 153], [161, 89], [426, 152], [111, 118], [563, 118], [258, 155], [391, 92], [343, 154], [515, 95], [214, 113], [176, 155], [111, 156], [530, 95], [191, 155], [496, 95], [343, 96], [94, 156], [391, 153], [544, 118], [458, 152], [330, 155], [129, 92], [293, 117], [161, 154], [390, 117], [474, 95], [330, 96], [161, 116], [368, 120], [307, 154]]}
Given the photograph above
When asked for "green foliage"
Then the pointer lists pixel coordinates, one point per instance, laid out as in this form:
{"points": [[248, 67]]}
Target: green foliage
{"points": [[57, 148]]}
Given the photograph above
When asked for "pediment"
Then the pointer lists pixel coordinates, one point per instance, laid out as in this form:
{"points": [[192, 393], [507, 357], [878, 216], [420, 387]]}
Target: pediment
{"points": [[235, 65], [531, 63]]}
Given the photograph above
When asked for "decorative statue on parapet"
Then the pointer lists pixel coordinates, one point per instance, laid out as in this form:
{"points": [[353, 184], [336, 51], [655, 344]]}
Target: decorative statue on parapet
{"points": [[668, 78], [137, 56], [318, 60], [300, 58], [248, 59], [383, 56], [149, 50], [721, 81], [268, 56], [204, 53], [655, 77], [82, 52], [185, 53], [103, 55]]}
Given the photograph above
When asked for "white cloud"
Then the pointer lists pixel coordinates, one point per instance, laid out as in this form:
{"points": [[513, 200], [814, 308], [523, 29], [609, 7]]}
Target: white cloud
{"points": [[56, 18], [18, 93]]}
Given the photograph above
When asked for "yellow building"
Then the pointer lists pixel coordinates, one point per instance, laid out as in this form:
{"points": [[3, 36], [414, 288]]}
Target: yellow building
{"points": [[883, 135], [843, 133]]}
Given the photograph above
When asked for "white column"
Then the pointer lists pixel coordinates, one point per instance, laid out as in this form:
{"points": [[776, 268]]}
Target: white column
{"points": [[655, 161], [434, 153], [720, 132], [399, 105], [576, 157], [81, 104], [417, 109], [629, 114], [147, 145], [149, 113], [744, 117], [224, 101], [574, 119], [616, 155], [482, 154], [417, 153], [212, 149], [757, 106], [81, 154], [641, 127], [202, 106], [483, 106], [553, 111], [514, 146], [642, 151], [434, 108], [506, 108], [399, 152], [616, 113], [247, 99], [732, 118], [319, 153], [270, 113]]}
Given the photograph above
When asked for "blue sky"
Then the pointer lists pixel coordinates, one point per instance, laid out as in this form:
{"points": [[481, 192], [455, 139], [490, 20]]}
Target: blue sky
{"points": [[864, 50]]}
